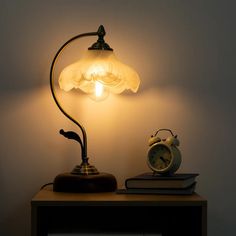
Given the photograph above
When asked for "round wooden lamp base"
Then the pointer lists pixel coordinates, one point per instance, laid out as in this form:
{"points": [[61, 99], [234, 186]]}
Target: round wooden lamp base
{"points": [[67, 182]]}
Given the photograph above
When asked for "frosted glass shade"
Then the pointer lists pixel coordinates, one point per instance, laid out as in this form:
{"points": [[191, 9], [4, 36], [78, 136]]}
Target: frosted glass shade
{"points": [[98, 72]]}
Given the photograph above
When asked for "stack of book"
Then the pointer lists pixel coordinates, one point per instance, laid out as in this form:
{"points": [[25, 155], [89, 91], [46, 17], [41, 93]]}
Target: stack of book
{"points": [[148, 183]]}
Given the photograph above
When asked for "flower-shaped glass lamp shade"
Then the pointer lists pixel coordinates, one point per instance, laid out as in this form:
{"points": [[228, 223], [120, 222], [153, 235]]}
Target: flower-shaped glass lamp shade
{"points": [[99, 73]]}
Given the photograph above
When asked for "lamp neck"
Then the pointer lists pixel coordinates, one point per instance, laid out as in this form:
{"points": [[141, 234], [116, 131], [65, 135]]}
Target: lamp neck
{"points": [[83, 143]]}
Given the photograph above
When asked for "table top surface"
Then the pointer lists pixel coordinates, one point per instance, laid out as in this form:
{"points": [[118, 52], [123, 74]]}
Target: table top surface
{"points": [[47, 196]]}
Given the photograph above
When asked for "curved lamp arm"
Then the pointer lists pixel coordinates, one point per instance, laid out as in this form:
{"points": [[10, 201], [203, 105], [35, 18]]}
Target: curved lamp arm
{"points": [[83, 143]]}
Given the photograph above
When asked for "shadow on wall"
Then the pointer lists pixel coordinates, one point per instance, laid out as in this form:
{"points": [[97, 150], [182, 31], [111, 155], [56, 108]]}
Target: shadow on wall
{"points": [[19, 215]]}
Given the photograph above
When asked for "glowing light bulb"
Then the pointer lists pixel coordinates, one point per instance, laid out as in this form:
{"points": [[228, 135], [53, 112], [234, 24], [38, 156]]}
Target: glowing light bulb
{"points": [[99, 89], [99, 92]]}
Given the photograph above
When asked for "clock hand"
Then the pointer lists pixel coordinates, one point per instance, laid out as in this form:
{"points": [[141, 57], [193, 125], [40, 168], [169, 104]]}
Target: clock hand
{"points": [[162, 158]]}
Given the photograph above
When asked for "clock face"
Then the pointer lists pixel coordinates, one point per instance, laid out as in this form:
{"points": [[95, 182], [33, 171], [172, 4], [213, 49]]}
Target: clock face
{"points": [[159, 157]]}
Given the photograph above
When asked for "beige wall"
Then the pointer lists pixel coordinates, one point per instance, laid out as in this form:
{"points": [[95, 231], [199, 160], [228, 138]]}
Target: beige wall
{"points": [[184, 52]]}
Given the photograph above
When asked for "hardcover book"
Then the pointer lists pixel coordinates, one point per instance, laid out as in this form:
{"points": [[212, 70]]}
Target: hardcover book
{"points": [[151, 181], [165, 191]]}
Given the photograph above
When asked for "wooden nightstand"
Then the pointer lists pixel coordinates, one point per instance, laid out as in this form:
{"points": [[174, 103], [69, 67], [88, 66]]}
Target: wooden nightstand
{"points": [[53, 212]]}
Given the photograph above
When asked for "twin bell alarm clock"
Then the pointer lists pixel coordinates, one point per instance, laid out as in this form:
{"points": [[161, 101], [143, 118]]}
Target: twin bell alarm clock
{"points": [[163, 156]]}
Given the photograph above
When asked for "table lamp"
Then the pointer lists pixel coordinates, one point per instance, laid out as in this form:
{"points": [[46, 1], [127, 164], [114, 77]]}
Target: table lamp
{"points": [[97, 73]]}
